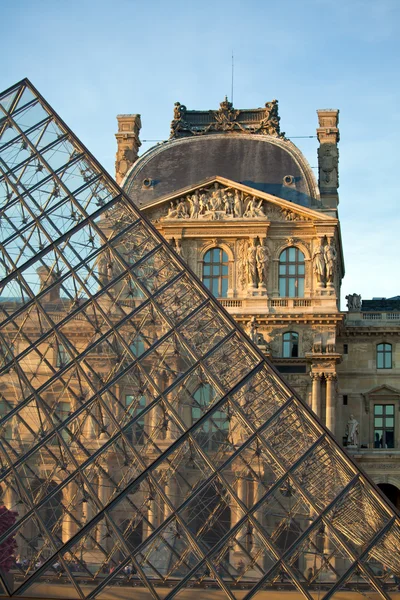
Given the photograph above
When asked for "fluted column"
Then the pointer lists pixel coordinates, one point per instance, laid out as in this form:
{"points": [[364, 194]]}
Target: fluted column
{"points": [[330, 401], [316, 393]]}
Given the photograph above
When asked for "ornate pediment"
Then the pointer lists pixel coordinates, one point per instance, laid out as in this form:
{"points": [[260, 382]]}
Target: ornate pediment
{"points": [[220, 199]]}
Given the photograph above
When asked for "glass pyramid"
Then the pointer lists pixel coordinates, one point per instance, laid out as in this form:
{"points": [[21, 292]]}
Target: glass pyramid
{"points": [[147, 448]]}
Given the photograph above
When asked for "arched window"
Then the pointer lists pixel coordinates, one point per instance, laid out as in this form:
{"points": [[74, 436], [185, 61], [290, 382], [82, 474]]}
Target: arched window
{"points": [[215, 272], [291, 273], [384, 356], [290, 346]]}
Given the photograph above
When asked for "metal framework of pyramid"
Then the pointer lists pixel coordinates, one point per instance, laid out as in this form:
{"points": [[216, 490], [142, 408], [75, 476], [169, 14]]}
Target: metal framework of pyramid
{"points": [[147, 448]]}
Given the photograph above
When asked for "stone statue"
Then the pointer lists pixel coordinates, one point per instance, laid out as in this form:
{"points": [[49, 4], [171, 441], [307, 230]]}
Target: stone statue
{"points": [[262, 262], [194, 201], [319, 263], [330, 261], [251, 329], [171, 211], [354, 302], [238, 205], [251, 264], [178, 247], [352, 431], [250, 211]]}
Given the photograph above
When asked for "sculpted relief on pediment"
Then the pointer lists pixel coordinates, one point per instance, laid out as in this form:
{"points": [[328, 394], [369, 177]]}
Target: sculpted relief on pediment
{"points": [[216, 202]]}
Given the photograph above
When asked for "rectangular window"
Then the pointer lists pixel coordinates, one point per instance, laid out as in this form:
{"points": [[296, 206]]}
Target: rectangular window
{"points": [[345, 399], [134, 405], [345, 348], [384, 426]]}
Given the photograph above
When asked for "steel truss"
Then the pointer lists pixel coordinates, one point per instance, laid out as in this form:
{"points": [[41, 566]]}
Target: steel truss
{"points": [[144, 440]]}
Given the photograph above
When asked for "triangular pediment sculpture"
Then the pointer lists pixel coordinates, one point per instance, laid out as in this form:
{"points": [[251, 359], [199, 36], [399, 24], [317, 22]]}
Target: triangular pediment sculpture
{"points": [[146, 446], [220, 199]]}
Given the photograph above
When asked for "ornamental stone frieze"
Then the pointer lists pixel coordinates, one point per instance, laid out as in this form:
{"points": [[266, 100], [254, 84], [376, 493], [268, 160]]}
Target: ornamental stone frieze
{"points": [[219, 203]]}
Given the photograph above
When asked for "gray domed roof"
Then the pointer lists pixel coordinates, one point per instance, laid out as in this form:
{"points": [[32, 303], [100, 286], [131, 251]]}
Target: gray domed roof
{"points": [[266, 163]]}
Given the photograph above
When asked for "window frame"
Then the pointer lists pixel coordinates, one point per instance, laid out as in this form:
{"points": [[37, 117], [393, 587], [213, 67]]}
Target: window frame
{"points": [[384, 428], [291, 343], [384, 351], [287, 278], [221, 278]]}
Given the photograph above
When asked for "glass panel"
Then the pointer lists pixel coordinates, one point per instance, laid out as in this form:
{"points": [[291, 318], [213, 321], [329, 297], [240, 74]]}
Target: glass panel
{"points": [[143, 442]]}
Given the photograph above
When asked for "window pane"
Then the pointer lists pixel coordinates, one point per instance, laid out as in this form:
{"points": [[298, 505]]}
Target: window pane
{"points": [[292, 254], [216, 269], [283, 256], [378, 409], [292, 287], [224, 288], [207, 270], [300, 269], [207, 282], [292, 269], [207, 257], [295, 349], [225, 270], [389, 409], [282, 269], [379, 360], [282, 287], [378, 421], [224, 257], [387, 347], [216, 255], [389, 422], [388, 360], [389, 439], [286, 349], [215, 289], [300, 256]]}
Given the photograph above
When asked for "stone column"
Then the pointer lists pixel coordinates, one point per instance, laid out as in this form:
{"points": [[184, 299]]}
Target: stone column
{"points": [[128, 145], [316, 393], [103, 493], [330, 402], [70, 501], [328, 156]]}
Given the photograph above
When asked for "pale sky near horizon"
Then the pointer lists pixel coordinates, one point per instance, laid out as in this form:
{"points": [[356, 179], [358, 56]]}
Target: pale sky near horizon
{"points": [[95, 59]]}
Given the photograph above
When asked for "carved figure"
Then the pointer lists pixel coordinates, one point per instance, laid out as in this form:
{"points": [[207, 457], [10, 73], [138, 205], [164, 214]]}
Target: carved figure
{"points": [[171, 211], [250, 211], [352, 431], [242, 263], [238, 205], [328, 161], [353, 302], [181, 210], [216, 202], [194, 201], [262, 261], [319, 263], [330, 261], [178, 247], [251, 329], [251, 264]]}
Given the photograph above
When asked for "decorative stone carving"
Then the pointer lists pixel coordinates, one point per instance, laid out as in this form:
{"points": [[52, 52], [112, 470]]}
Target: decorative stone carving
{"points": [[330, 261], [251, 329], [217, 202], [307, 341], [352, 432], [263, 256], [319, 263], [226, 119], [353, 302], [328, 155], [242, 260], [251, 265]]}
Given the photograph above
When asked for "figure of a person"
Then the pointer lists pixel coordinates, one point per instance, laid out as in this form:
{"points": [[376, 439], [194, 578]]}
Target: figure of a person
{"points": [[181, 209], [171, 211], [352, 431], [238, 205], [194, 205], [262, 261], [251, 264], [250, 211], [319, 263], [330, 261]]}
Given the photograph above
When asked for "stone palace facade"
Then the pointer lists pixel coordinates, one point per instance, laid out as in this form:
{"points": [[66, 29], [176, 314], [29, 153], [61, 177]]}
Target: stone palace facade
{"points": [[240, 203]]}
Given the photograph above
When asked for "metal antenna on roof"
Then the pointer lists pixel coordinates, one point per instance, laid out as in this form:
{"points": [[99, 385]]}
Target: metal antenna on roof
{"points": [[232, 81]]}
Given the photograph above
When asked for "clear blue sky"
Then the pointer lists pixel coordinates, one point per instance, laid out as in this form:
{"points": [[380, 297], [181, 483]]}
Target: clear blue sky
{"points": [[94, 59]]}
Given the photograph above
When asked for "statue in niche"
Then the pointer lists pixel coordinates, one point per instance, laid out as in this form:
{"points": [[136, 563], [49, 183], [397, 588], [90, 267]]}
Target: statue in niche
{"points": [[319, 263], [354, 302], [352, 431], [251, 264], [330, 261], [262, 262], [238, 205], [194, 201]]}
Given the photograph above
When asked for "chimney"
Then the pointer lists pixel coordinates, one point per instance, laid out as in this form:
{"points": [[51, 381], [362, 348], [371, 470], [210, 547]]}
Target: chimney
{"points": [[128, 144], [328, 156]]}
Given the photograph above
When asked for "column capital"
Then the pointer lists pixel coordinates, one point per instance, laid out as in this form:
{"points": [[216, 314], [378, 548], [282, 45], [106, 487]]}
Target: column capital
{"points": [[330, 376], [315, 376]]}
